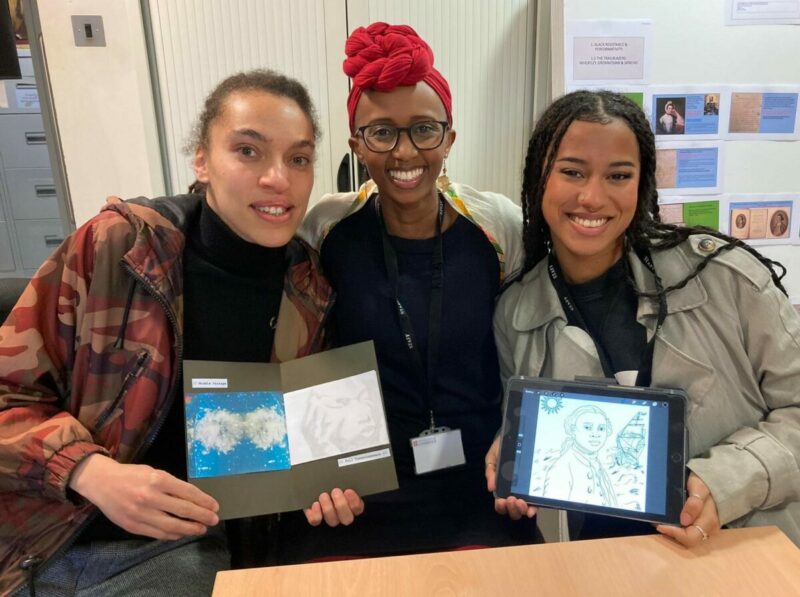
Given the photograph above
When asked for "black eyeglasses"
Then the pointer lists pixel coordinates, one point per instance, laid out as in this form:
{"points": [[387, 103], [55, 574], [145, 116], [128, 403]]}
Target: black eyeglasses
{"points": [[382, 138]]}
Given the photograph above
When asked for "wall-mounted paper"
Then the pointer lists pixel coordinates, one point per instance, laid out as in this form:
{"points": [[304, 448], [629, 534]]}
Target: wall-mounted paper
{"points": [[610, 51], [769, 219], [27, 96], [683, 211], [696, 112], [763, 12], [689, 168], [769, 113]]}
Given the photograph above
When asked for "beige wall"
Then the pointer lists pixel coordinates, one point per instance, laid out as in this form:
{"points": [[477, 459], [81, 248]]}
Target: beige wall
{"points": [[103, 104]]}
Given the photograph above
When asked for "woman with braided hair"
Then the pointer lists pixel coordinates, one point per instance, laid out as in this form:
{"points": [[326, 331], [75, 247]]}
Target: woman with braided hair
{"points": [[417, 269], [608, 290]]}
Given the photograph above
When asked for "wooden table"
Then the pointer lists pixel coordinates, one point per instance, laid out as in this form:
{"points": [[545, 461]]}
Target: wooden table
{"points": [[755, 561]]}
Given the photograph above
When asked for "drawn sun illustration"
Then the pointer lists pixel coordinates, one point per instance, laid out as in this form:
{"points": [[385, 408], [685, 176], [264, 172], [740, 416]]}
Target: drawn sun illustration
{"points": [[552, 404]]}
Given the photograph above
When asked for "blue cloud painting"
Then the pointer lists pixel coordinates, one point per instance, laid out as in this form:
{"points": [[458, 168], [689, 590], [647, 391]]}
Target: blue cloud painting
{"points": [[232, 433]]}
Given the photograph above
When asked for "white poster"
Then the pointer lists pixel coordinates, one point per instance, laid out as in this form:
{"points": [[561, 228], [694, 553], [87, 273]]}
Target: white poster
{"points": [[608, 52], [762, 12]]}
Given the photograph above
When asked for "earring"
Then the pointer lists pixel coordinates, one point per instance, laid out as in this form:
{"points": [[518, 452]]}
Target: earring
{"points": [[443, 182]]}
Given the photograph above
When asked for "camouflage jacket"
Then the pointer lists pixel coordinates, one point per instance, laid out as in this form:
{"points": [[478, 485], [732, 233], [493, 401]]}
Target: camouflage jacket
{"points": [[90, 357]]}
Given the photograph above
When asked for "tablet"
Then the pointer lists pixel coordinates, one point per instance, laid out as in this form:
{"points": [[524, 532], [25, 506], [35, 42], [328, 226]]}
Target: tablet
{"points": [[594, 447]]}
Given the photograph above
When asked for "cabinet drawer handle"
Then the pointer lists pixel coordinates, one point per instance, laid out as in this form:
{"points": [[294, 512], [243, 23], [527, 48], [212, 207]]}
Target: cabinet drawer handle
{"points": [[35, 138], [45, 191], [52, 240]]}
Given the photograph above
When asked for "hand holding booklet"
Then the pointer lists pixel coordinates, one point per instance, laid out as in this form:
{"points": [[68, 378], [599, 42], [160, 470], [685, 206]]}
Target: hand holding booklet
{"points": [[271, 437]]}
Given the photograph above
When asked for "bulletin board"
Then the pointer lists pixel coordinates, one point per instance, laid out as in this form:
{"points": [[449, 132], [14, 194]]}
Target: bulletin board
{"points": [[691, 46]]}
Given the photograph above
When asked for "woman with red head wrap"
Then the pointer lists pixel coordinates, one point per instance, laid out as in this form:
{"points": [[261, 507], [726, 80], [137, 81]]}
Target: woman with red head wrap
{"points": [[417, 267]]}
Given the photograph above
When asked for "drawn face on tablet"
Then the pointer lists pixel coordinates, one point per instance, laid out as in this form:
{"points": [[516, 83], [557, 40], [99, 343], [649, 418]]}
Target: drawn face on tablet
{"points": [[591, 431]]}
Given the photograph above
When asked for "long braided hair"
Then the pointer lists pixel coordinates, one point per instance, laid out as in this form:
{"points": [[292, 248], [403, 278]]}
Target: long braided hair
{"points": [[646, 231]]}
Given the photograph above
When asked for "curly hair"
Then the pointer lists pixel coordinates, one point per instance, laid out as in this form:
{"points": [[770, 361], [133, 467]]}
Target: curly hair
{"points": [[646, 231], [267, 81]]}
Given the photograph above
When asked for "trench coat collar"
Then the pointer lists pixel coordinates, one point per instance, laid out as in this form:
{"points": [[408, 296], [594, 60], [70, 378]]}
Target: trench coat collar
{"points": [[539, 303]]}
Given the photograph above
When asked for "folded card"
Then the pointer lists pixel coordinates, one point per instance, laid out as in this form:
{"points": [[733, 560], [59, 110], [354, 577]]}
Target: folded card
{"points": [[270, 437]]}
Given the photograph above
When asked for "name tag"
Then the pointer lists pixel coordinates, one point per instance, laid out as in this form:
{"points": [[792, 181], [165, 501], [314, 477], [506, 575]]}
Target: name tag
{"points": [[437, 449]]}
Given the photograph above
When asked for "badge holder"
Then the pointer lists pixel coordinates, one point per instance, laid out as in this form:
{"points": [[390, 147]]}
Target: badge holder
{"points": [[437, 448]]}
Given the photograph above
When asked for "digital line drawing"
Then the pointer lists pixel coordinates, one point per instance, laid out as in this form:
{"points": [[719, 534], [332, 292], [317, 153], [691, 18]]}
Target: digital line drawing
{"points": [[593, 453]]}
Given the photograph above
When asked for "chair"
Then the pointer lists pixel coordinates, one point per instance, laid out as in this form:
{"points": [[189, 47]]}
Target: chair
{"points": [[10, 290]]}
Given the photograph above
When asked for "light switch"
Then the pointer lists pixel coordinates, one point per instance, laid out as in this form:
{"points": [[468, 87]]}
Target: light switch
{"points": [[88, 30]]}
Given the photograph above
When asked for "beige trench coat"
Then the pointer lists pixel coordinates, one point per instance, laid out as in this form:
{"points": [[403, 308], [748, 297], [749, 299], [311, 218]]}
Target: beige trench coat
{"points": [[731, 340]]}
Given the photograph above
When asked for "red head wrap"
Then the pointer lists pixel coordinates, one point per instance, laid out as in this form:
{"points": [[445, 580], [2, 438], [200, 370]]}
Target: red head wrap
{"points": [[382, 57]]}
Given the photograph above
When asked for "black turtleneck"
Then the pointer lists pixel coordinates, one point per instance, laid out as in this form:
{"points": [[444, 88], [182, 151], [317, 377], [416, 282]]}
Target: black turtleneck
{"points": [[232, 292], [231, 295]]}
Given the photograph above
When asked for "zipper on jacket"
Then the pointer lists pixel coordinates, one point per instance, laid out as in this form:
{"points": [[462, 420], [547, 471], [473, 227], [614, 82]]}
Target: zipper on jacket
{"points": [[120, 341], [141, 359], [29, 565], [178, 364]]}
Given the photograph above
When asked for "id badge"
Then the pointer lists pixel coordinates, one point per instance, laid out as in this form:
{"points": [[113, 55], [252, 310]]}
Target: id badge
{"points": [[437, 448]]}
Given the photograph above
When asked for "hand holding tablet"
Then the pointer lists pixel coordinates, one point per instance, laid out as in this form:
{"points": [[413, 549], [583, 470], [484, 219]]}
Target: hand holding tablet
{"points": [[594, 447], [699, 518]]}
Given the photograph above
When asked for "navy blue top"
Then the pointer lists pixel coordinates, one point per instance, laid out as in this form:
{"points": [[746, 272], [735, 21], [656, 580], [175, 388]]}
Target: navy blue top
{"points": [[608, 305], [446, 508], [467, 391]]}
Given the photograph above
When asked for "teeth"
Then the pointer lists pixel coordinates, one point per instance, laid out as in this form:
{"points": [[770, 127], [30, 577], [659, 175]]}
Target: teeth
{"points": [[272, 210], [596, 223], [406, 174]]}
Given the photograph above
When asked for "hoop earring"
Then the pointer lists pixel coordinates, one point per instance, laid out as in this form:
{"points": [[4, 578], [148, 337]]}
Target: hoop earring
{"points": [[443, 182]]}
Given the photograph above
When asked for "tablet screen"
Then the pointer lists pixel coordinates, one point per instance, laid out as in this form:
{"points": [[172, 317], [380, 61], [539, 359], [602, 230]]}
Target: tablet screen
{"points": [[596, 450]]}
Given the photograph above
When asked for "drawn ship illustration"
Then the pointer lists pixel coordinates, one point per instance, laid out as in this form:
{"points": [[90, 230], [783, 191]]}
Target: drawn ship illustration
{"points": [[631, 441]]}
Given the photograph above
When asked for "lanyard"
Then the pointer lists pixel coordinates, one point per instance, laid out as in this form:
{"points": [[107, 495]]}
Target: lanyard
{"points": [[435, 311], [645, 369]]}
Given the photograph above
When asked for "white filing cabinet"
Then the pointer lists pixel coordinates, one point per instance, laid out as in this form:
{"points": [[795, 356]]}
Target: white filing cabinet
{"points": [[30, 222]]}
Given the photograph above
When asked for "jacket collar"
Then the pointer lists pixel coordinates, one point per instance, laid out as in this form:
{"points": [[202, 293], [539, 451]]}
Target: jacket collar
{"points": [[539, 303], [157, 252], [158, 246]]}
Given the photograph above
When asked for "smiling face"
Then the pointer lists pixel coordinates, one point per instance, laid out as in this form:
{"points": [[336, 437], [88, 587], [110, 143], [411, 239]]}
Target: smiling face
{"points": [[591, 195], [591, 431], [258, 166], [405, 175]]}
